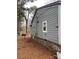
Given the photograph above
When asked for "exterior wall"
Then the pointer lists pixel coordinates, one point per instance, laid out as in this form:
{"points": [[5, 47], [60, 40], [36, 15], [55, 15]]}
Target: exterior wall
{"points": [[52, 33], [59, 15], [34, 27], [50, 14]]}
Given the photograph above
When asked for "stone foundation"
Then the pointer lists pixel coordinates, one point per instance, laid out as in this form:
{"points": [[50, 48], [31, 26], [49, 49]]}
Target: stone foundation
{"points": [[50, 45]]}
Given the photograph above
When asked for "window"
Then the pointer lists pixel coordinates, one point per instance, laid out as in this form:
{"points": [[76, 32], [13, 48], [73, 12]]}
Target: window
{"points": [[44, 26]]}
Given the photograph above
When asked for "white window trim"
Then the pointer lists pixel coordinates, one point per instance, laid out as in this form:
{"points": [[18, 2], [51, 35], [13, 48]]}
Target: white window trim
{"points": [[43, 25]]}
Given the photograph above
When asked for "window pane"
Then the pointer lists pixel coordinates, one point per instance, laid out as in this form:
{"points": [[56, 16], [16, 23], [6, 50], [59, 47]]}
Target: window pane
{"points": [[44, 28]]}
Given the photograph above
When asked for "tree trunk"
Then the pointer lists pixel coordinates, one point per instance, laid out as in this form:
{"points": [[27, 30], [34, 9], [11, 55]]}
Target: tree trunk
{"points": [[26, 23]]}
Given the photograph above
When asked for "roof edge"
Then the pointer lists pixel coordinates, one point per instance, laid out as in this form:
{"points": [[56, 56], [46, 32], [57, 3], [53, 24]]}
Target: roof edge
{"points": [[51, 4]]}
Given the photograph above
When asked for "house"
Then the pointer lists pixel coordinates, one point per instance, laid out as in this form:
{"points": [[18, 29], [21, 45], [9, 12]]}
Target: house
{"points": [[45, 23], [45, 26]]}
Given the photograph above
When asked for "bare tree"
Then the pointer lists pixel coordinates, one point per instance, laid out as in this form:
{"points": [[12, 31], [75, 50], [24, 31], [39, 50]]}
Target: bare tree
{"points": [[21, 13]]}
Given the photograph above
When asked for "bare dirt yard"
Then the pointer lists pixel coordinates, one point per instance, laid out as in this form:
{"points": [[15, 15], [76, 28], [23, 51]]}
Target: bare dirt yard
{"points": [[32, 50]]}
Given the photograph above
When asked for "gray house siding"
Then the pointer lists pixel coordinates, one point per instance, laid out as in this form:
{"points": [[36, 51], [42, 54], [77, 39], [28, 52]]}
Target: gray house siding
{"points": [[59, 17], [34, 27], [49, 14]]}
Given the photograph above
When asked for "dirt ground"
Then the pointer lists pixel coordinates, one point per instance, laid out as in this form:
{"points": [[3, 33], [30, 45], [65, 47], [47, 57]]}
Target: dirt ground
{"points": [[32, 50]]}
